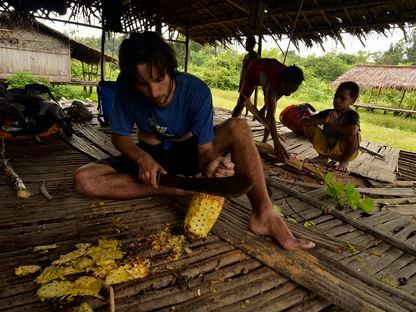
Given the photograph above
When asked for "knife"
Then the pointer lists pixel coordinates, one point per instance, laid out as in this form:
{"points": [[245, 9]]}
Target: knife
{"points": [[234, 186]]}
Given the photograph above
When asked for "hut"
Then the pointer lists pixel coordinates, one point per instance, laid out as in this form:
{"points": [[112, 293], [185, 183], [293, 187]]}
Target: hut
{"points": [[28, 45], [379, 77]]}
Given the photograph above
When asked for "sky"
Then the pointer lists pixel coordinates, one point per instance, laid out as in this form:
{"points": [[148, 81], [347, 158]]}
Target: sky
{"points": [[373, 43]]}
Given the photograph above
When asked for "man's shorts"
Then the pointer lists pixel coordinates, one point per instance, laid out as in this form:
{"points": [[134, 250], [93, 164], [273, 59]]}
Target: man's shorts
{"points": [[320, 143], [181, 158]]}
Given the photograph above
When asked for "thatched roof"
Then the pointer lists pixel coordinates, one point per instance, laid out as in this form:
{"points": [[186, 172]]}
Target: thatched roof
{"points": [[210, 21], [380, 76], [79, 51]]}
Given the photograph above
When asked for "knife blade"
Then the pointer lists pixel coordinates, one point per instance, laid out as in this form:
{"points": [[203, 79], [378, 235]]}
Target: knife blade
{"points": [[233, 186]]}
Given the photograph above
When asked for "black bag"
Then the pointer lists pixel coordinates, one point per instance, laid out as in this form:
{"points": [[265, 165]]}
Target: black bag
{"points": [[31, 112], [78, 112]]}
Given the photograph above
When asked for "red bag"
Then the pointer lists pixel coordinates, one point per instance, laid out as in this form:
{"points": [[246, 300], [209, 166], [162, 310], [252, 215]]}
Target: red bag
{"points": [[292, 115]]}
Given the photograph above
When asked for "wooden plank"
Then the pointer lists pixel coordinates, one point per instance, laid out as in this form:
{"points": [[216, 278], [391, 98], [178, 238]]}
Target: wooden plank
{"points": [[408, 210], [311, 305], [302, 268], [409, 301], [372, 167], [254, 302], [98, 138], [343, 217], [394, 191], [86, 147], [394, 201]]}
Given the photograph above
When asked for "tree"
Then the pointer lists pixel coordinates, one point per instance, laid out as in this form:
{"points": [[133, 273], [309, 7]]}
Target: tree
{"points": [[393, 56], [411, 48]]}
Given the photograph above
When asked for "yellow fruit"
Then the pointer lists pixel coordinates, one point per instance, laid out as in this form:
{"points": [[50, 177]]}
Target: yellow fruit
{"points": [[85, 307], [26, 269], [202, 214]]}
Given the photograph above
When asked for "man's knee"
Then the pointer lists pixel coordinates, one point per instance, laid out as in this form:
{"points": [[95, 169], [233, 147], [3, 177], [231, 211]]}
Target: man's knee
{"points": [[84, 180], [237, 126]]}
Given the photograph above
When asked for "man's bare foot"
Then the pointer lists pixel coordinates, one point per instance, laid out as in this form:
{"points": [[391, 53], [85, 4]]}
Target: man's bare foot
{"points": [[342, 166], [320, 160], [271, 224]]}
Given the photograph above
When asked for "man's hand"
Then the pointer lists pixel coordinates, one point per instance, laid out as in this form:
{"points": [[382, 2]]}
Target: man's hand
{"points": [[148, 169], [220, 167]]}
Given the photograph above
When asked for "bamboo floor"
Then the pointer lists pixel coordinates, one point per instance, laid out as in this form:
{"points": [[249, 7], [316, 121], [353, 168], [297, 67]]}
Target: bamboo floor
{"points": [[361, 262]]}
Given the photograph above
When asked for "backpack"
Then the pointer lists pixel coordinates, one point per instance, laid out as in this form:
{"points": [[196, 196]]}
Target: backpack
{"points": [[293, 114], [31, 112], [78, 111]]}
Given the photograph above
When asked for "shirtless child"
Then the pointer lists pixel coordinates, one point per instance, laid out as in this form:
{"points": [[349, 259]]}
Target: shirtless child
{"points": [[340, 138]]}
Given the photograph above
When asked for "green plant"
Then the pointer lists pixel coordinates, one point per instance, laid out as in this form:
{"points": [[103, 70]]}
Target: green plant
{"points": [[347, 194], [21, 79]]}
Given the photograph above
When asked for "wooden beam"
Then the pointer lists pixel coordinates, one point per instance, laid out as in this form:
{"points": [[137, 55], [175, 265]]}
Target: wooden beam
{"points": [[378, 94], [242, 7], [401, 99], [186, 49], [11, 175], [284, 11], [256, 16], [343, 217], [159, 13], [305, 269], [102, 58]]}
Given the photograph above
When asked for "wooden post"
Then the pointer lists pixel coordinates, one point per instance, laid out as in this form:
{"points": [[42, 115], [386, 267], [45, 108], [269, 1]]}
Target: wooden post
{"points": [[159, 17], [21, 190], [371, 95], [102, 53], [256, 16], [259, 46], [401, 100], [378, 94], [83, 77], [186, 49]]}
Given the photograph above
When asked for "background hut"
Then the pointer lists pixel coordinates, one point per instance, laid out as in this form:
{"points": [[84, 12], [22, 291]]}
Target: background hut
{"points": [[30, 46], [381, 77]]}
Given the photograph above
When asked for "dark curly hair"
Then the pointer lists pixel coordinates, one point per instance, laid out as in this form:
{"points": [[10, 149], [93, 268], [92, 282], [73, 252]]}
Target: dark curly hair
{"points": [[352, 87], [146, 48], [293, 74]]}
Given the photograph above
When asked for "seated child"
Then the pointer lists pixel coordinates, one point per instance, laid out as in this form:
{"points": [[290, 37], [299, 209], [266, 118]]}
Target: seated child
{"points": [[339, 139]]}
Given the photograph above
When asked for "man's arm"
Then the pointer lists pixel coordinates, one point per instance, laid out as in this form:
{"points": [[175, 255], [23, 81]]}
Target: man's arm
{"points": [[213, 165], [148, 167]]}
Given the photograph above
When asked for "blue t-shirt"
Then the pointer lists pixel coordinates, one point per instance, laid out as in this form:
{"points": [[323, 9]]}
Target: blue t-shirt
{"points": [[189, 110]]}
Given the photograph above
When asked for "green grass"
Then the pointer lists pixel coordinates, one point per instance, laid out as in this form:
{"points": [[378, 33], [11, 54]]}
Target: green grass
{"points": [[396, 131]]}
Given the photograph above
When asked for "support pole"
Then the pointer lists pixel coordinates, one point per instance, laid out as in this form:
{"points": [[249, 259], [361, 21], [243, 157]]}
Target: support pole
{"points": [[186, 49], [371, 95], [401, 100], [102, 53], [159, 17], [378, 94], [259, 46]]}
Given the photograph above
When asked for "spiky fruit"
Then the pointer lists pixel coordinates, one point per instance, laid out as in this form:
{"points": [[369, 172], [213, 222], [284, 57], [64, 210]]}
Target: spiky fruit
{"points": [[202, 214]]}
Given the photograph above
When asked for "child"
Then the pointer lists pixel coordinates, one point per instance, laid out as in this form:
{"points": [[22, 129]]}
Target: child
{"points": [[339, 139], [248, 58]]}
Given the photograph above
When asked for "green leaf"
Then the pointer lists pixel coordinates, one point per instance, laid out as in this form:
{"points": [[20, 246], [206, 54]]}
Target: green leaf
{"points": [[329, 178], [353, 196], [367, 205], [291, 219], [308, 224], [277, 209], [333, 189]]}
